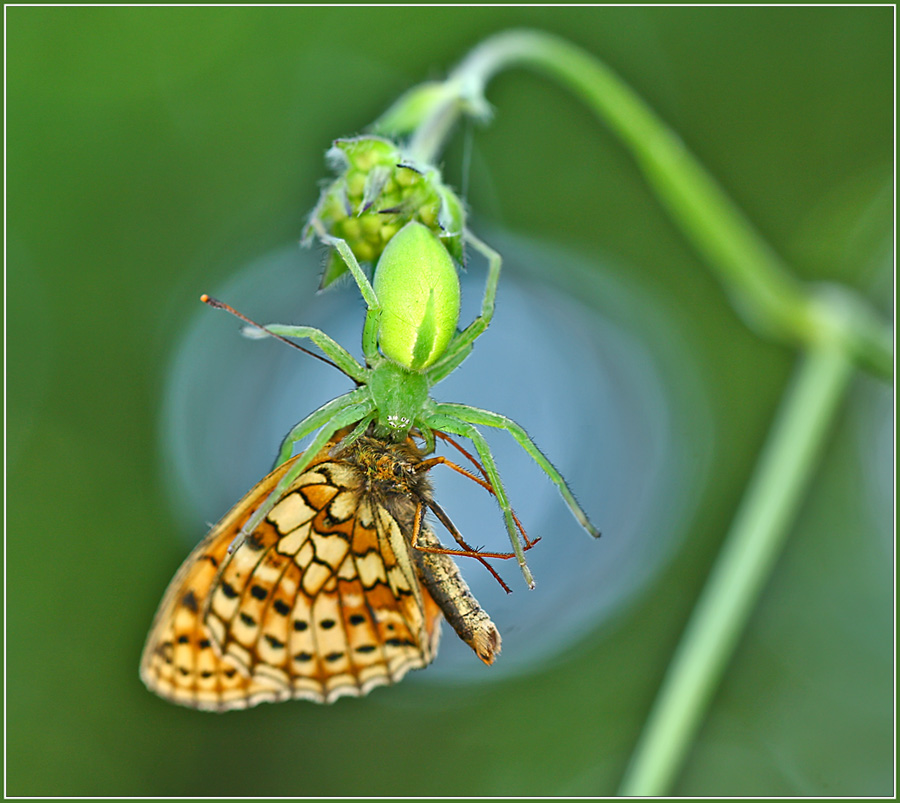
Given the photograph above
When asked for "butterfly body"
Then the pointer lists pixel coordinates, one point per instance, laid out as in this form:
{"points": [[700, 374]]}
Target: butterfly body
{"points": [[327, 596]]}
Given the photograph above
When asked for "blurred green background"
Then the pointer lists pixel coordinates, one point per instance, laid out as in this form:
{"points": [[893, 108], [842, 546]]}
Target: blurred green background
{"points": [[152, 152]]}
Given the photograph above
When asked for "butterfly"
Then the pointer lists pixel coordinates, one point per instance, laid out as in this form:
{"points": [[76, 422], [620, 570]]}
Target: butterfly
{"points": [[340, 588]]}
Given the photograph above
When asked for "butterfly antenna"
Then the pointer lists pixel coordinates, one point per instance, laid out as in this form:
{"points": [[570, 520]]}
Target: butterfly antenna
{"points": [[216, 304]]}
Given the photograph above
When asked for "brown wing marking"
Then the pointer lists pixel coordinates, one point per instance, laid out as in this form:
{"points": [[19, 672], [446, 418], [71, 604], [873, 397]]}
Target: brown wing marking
{"points": [[179, 661], [389, 625], [316, 604]]}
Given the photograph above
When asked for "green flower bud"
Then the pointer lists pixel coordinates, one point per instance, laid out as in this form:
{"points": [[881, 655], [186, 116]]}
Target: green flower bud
{"points": [[418, 289], [377, 192]]}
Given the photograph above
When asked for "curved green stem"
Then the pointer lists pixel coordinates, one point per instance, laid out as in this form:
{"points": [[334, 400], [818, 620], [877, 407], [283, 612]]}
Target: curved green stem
{"points": [[429, 138], [759, 285], [783, 472]]}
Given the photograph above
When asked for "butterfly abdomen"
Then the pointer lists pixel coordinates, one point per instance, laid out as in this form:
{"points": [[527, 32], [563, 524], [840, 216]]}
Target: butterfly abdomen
{"points": [[441, 576], [393, 478]]}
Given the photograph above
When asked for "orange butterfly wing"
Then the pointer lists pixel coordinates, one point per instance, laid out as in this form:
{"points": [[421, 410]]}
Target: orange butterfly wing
{"points": [[322, 600]]}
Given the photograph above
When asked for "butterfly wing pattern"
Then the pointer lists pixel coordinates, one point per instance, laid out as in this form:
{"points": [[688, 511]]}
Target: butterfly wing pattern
{"points": [[322, 600]]}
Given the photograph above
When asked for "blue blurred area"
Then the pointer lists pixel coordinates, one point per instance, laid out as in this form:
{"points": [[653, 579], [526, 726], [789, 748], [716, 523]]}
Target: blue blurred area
{"points": [[157, 153]]}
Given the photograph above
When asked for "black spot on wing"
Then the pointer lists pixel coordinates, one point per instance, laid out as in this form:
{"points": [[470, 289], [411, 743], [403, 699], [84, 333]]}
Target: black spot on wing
{"points": [[253, 542], [400, 642], [189, 601]]}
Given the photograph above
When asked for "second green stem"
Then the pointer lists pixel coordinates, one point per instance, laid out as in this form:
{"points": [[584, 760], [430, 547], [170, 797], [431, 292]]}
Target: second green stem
{"points": [[745, 562]]}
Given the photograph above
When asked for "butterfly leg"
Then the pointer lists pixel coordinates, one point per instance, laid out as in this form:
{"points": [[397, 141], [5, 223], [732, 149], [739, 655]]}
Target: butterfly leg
{"points": [[421, 535], [441, 576], [431, 462], [465, 453], [442, 420], [474, 415]]}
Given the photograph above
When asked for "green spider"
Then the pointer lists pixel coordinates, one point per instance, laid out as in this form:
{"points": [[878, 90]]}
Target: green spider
{"points": [[410, 342]]}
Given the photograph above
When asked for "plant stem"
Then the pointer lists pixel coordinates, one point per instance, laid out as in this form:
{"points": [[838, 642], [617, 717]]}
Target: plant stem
{"points": [[760, 287], [742, 567], [429, 138]]}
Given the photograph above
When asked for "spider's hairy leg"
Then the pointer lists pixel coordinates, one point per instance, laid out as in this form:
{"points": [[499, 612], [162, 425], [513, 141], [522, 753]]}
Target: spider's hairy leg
{"points": [[358, 431], [321, 417], [461, 345], [482, 481], [373, 315], [447, 365], [474, 415], [343, 417], [444, 422], [341, 357], [427, 435]]}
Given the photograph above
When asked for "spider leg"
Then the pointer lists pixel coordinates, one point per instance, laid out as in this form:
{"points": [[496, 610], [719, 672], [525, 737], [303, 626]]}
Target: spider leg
{"points": [[448, 363], [342, 358], [466, 551], [320, 417], [357, 432], [442, 420], [461, 345], [373, 315], [474, 415], [427, 435], [342, 417]]}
